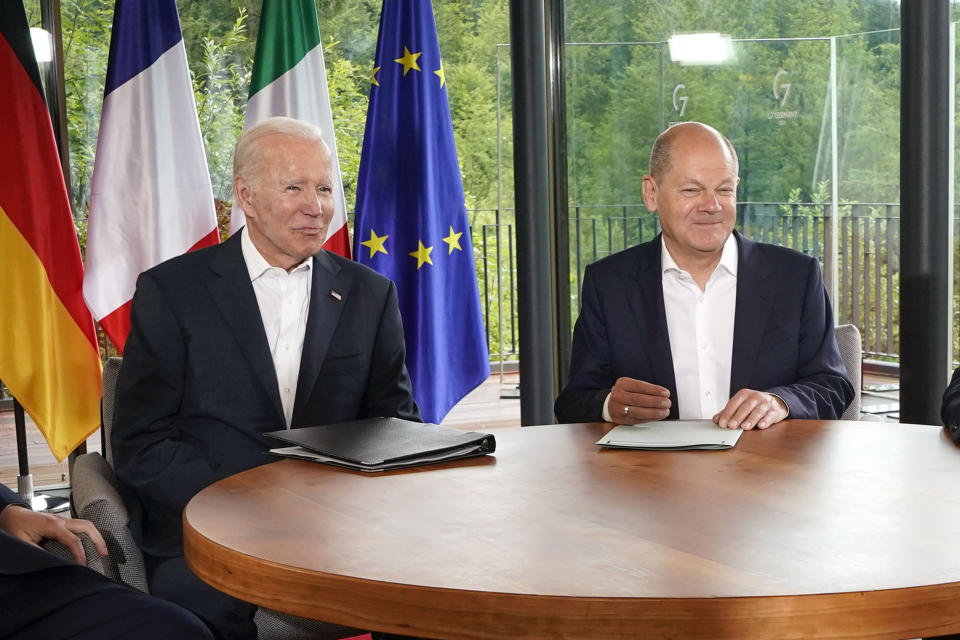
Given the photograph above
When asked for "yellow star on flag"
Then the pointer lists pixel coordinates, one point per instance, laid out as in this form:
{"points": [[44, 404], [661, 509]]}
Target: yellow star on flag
{"points": [[453, 240], [422, 254], [409, 61], [373, 77], [443, 78], [375, 243]]}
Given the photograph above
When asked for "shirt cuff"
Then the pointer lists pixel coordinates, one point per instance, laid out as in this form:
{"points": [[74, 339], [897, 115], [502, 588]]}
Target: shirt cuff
{"points": [[606, 409]]}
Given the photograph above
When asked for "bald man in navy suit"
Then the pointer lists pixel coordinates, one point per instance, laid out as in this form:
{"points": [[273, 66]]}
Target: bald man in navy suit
{"points": [[701, 322]]}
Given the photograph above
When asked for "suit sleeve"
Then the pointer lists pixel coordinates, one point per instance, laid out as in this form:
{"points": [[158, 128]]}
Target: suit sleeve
{"points": [[950, 409], [822, 390], [8, 497], [153, 455], [389, 391], [591, 373]]}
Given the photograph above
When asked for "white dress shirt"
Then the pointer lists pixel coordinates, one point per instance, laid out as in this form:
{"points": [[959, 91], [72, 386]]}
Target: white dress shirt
{"points": [[700, 326], [284, 301]]}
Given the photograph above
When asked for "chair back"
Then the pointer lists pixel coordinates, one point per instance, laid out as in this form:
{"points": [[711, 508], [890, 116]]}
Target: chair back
{"points": [[851, 352], [96, 497], [110, 372]]}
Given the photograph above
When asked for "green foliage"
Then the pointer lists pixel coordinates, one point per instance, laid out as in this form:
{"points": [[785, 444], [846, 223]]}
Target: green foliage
{"points": [[220, 84], [86, 26], [795, 204], [347, 83], [619, 96]]}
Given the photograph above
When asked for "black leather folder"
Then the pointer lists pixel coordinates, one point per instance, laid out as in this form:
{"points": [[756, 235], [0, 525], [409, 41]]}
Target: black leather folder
{"points": [[381, 444]]}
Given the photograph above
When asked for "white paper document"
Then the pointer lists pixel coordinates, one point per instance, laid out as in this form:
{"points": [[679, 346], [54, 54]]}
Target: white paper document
{"points": [[673, 435]]}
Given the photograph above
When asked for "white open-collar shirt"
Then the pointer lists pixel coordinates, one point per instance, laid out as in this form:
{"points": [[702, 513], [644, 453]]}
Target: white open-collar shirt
{"points": [[700, 326], [284, 301]]}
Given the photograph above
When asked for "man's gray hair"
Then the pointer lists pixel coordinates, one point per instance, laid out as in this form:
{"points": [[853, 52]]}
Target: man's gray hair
{"points": [[246, 158], [661, 155]]}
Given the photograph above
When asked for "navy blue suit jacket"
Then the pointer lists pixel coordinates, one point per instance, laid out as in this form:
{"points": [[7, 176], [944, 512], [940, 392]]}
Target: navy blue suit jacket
{"points": [[197, 387], [783, 339]]}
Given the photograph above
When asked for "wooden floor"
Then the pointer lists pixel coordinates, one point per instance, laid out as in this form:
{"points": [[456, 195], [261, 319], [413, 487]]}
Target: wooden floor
{"points": [[482, 410]]}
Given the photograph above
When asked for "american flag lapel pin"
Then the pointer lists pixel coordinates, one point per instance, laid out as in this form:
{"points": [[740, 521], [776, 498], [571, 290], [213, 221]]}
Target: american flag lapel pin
{"points": [[336, 295]]}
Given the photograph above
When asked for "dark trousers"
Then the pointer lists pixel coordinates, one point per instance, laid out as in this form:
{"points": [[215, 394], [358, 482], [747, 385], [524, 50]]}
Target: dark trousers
{"points": [[228, 617], [76, 602]]}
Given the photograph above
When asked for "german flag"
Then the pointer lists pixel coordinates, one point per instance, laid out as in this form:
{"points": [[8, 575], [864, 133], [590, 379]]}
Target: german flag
{"points": [[49, 358]]}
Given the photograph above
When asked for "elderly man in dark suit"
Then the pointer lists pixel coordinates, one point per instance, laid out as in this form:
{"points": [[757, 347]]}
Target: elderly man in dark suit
{"points": [[45, 596], [702, 323], [262, 332]]}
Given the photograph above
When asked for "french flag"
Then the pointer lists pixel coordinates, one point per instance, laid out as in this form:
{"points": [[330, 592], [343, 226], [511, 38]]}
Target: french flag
{"points": [[150, 195]]}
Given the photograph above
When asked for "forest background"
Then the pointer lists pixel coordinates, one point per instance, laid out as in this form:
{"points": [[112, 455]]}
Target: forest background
{"points": [[622, 88]]}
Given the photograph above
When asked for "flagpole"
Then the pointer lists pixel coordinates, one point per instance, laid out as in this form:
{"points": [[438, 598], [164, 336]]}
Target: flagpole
{"points": [[55, 94], [40, 502], [24, 480]]}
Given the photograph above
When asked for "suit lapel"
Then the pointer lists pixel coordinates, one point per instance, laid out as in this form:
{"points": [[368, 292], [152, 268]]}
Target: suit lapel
{"points": [[752, 311], [328, 295], [233, 294], [646, 301]]}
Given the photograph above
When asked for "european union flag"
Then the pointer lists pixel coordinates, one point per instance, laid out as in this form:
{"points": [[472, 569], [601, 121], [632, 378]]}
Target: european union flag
{"points": [[411, 219]]}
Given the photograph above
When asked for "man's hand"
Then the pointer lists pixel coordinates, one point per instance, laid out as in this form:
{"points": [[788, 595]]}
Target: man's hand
{"points": [[633, 401], [748, 409], [33, 528]]}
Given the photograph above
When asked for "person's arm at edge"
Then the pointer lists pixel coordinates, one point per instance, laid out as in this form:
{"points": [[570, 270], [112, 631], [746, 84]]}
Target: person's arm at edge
{"points": [[950, 409], [17, 519]]}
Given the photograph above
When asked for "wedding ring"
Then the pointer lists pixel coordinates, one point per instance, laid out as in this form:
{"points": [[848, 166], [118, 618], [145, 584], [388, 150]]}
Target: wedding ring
{"points": [[626, 411]]}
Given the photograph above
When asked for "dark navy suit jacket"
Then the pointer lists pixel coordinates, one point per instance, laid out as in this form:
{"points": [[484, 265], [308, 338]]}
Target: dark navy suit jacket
{"points": [[783, 339], [197, 387]]}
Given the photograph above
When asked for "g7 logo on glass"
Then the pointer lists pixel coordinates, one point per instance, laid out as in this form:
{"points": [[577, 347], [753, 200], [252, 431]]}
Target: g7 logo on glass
{"points": [[781, 93], [679, 108], [777, 85]]}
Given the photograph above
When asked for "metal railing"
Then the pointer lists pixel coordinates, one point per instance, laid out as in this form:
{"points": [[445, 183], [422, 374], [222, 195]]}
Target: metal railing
{"points": [[868, 257], [868, 252]]}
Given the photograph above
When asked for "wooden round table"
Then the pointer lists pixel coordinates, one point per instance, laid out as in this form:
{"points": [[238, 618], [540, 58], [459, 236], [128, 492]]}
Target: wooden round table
{"points": [[809, 529]]}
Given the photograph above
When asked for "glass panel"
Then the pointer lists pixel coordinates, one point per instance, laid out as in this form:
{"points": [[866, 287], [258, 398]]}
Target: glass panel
{"points": [[868, 168], [494, 232], [802, 155]]}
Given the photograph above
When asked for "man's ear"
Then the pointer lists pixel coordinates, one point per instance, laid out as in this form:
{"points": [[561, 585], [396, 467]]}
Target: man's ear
{"points": [[244, 192], [650, 193]]}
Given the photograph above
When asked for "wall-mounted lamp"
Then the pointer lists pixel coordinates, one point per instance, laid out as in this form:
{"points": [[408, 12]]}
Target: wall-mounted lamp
{"points": [[42, 44], [700, 48]]}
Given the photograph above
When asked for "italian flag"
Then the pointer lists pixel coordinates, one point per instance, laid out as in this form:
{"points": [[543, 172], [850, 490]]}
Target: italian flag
{"points": [[48, 349], [289, 79]]}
